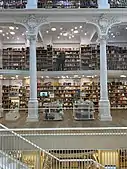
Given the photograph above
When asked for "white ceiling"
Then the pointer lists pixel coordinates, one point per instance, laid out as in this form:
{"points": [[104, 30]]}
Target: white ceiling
{"points": [[86, 33]]}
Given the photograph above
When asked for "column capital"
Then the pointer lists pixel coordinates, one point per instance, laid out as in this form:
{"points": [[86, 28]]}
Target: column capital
{"points": [[31, 37], [32, 22], [103, 37]]}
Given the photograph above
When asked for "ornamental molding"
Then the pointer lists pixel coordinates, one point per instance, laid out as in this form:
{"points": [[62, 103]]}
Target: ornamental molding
{"points": [[32, 22], [104, 22]]}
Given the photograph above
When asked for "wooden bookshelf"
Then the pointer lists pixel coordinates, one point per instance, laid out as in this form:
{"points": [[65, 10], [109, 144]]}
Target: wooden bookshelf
{"points": [[72, 58]]}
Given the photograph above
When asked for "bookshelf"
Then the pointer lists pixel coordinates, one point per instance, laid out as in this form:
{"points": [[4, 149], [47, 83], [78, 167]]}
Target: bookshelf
{"points": [[72, 58]]}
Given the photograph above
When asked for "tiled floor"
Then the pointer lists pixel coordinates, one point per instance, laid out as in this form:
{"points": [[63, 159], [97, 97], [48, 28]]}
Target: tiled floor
{"points": [[119, 119]]}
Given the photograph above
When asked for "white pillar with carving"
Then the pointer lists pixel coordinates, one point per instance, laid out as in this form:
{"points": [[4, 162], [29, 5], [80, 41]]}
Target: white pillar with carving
{"points": [[33, 102], [104, 104], [31, 4]]}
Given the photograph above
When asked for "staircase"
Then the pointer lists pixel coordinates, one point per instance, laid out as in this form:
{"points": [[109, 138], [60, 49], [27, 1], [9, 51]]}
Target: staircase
{"points": [[8, 162]]}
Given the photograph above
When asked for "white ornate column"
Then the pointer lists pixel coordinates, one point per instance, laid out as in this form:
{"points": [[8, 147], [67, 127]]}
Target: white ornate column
{"points": [[33, 102], [31, 4], [104, 104], [32, 23]]}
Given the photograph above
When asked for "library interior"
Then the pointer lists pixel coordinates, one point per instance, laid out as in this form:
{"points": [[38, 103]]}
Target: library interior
{"points": [[71, 75]]}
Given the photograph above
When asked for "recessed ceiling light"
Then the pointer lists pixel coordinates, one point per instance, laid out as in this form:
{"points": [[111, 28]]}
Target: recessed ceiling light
{"points": [[126, 28], [73, 36], [111, 33], [7, 37], [6, 33], [1, 31], [12, 33], [23, 34], [76, 31], [3, 34], [53, 29], [17, 38], [113, 36], [47, 76], [85, 33], [69, 37], [47, 31], [61, 33], [65, 34], [17, 28], [72, 29], [58, 37], [80, 26], [75, 27], [11, 27], [61, 28], [26, 31], [122, 75]]}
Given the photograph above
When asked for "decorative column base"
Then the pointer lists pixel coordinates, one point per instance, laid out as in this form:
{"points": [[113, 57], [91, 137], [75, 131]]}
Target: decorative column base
{"points": [[31, 6], [33, 111], [104, 110]]}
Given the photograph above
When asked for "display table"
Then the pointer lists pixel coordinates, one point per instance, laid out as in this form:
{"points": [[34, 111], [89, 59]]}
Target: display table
{"points": [[83, 110], [53, 111]]}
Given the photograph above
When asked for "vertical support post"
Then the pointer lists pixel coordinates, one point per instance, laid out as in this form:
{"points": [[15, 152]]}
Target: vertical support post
{"points": [[103, 4], [32, 4], [104, 104], [33, 102]]}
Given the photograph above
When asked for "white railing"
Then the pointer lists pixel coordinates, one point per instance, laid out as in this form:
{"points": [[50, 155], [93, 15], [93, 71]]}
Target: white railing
{"points": [[92, 131]]}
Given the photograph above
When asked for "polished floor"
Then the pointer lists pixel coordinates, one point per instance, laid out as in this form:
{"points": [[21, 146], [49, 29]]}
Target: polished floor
{"points": [[119, 120]]}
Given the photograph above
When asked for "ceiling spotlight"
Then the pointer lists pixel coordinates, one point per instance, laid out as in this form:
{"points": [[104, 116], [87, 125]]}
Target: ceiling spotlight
{"points": [[111, 33], [7, 37], [58, 37], [7, 33], [17, 38], [3, 34], [80, 27], [65, 34], [17, 28], [122, 75], [26, 31], [11, 27], [113, 36], [61, 33], [1, 31], [126, 28], [73, 36], [76, 31], [85, 33], [75, 27], [53, 29], [69, 37], [72, 29], [61, 28], [47, 31], [12, 33], [23, 34]]}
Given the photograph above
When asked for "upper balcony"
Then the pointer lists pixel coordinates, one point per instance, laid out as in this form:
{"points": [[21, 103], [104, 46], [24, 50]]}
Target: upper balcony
{"points": [[49, 4]]}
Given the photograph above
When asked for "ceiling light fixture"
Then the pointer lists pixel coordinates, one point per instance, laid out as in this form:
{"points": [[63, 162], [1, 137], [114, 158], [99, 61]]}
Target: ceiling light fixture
{"points": [[61, 28], [7, 37], [3, 34], [76, 31], [72, 29], [75, 27], [11, 28], [113, 36], [23, 34], [17, 38], [61, 33], [80, 27], [126, 28], [6, 33], [12, 33], [47, 31], [85, 34], [17, 28], [1, 31], [65, 34], [53, 29], [69, 37], [111, 33], [122, 75], [58, 37], [73, 36]]}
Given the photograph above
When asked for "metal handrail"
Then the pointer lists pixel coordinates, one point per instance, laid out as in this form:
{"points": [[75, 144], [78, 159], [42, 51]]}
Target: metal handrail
{"points": [[29, 142]]}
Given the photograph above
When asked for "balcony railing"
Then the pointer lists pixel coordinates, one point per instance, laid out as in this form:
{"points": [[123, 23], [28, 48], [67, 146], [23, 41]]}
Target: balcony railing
{"points": [[19, 4]]}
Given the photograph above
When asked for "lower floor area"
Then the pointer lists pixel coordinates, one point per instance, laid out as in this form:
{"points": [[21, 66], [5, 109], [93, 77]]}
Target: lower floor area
{"points": [[119, 119]]}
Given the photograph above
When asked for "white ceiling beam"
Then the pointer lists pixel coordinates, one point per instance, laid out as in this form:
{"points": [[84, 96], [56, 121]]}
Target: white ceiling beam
{"points": [[41, 36]]}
